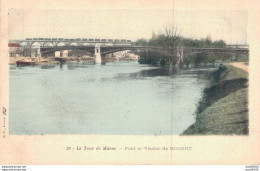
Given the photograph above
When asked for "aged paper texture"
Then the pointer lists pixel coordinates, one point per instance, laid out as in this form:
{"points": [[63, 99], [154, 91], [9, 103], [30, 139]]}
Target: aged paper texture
{"points": [[60, 105]]}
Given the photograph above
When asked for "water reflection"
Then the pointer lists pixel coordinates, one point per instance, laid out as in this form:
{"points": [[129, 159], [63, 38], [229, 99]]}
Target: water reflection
{"points": [[48, 66], [164, 71]]}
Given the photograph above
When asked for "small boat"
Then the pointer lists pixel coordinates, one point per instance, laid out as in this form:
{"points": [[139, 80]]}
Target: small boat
{"points": [[24, 63]]}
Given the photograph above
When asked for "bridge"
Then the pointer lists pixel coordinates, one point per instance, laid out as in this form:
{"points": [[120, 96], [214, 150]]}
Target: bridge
{"points": [[101, 47]]}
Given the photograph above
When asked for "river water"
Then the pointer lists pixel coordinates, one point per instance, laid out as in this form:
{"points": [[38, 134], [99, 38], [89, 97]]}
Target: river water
{"points": [[123, 98]]}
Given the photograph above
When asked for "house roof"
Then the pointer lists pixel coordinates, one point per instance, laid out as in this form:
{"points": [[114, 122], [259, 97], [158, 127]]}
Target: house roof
{"points": [[14, 45]]}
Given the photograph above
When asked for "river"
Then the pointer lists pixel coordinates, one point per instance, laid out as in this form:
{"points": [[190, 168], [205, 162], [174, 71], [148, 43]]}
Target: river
{"points": [[123, 98]]}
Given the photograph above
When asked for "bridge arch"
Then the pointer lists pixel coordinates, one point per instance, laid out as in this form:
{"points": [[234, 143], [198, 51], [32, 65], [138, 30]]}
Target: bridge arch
{"points": [[48, 44], [36, 44], [23, 43], [65, 49], [109, 50], [86, 44], [73, 44], [60, 44]]}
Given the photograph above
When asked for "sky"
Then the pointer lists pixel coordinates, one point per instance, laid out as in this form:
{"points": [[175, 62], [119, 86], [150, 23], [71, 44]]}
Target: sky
{"points": [[229, 25]]}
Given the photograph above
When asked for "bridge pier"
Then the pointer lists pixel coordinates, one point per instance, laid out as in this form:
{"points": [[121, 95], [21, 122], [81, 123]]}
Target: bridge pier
{"points": [[64, 53], [38, 54], [99, 59], [57, 54], [233, 58], [179, 56]]}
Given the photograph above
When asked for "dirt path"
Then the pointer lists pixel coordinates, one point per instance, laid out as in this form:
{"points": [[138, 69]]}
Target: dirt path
{"points": [[240, 65]]}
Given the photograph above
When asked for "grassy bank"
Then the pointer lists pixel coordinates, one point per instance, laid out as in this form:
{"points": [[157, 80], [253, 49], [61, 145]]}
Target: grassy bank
{"points": [[223, 108]]}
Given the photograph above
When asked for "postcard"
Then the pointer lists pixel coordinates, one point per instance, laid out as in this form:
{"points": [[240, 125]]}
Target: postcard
{"points": [[129, 82]]}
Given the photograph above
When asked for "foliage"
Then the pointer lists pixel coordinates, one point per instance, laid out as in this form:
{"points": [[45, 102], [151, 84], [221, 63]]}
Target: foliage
{"points": [[170, 39], [147, 57], [224, 103], [162, 40], [141, 42]]}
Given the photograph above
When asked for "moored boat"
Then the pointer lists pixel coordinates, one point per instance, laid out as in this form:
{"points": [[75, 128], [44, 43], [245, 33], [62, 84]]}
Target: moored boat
{"points": [[24, 63]]}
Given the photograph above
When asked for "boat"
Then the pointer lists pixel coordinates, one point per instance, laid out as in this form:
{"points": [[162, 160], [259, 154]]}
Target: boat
{"points": [[24, 63]]}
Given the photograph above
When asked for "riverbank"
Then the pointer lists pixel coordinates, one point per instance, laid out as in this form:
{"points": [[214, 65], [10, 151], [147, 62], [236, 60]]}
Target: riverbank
{"points": [[223, 109], [49, 60], [52, 60]]}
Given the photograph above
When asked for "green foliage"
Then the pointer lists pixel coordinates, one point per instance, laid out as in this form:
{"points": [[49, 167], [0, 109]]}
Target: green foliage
{"points": [[219, 44], [216, 74], [147, 57], [159, 40], [164, 41], [208, 92], [223, 104], [141, 42], [173, 41]]}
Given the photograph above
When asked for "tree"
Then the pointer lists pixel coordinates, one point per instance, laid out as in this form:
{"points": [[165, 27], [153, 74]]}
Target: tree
{"points": [[219, 44], [172, 39], [208, 41], [141, 42], [171, 36]]}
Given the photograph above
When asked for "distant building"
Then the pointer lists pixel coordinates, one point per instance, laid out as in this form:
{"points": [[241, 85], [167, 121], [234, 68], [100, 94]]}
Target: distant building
{"points": [[14, 49], [14, 45]]}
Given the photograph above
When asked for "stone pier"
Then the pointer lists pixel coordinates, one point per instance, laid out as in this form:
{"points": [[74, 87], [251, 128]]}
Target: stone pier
{"points": [[98, 59]]}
